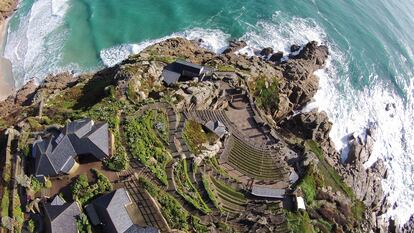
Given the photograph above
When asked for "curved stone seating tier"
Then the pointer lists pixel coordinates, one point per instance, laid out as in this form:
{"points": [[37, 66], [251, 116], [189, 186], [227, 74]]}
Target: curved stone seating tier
{"points": [[255, 162], [229, 201]]}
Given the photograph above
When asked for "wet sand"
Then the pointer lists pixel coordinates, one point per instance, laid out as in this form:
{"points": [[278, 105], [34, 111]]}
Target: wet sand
{"points": [[6, 75]]}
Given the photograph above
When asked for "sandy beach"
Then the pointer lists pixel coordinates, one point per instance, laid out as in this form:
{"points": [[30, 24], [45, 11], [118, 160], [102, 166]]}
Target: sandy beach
{"points": [[6, 75]]}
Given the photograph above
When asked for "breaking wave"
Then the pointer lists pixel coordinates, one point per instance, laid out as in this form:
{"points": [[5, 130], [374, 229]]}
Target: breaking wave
{"points": [[34, 47], [214, 40]]}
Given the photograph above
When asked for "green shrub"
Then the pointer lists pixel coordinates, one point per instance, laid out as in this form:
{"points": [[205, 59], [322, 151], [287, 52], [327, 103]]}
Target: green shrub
{"points": [[5, 201], [328, 175], [176, 216], [18, 214], [195, 136], [211, 194], [267, 95], [6, 172], [299, 222], [83, 224], [104, 184], [83, 192], [226, 68], [34, 124], [198, 226], [308, 186], [26, 150], [3, 124], [108, 110], [48, 184], [186, 189], [145, 144], [35, 185], [31, 226]]}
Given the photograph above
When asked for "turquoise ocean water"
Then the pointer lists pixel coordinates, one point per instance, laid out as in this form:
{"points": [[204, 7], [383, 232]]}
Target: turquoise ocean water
{"points": [[371, 63]]}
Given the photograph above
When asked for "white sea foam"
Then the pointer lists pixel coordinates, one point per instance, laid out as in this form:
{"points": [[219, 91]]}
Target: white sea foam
{"points": [[351, 110], [34, 48], [281, 35], [59, 7], [354, 111], [214, 40]]}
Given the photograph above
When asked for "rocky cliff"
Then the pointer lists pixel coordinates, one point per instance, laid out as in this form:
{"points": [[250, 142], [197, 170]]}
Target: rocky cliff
{"points": [[6, 8]]}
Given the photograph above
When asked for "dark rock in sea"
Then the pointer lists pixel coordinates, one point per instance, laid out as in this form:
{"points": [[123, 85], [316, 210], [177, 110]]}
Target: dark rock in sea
{"points": [[266, 52], [235, 46], [360, 149], [313, 51], [276, 57], [294, 48], [409, 226], [366, 183]]}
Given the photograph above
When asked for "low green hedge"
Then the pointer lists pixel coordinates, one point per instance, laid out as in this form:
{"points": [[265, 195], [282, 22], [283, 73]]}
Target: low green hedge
{"points": [[176, 216], [186, 189]]}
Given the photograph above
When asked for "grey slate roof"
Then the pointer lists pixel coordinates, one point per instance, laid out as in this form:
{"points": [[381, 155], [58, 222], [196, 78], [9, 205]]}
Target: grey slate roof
{"points": [[138, 229], [170, 76], [217, 127], [55, 155], [261, 191], [60, 217], [111, 211], [180, 68]]}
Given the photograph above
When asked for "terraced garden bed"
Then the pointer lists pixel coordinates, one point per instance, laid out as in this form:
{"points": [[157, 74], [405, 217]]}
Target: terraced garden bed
{"points": [[224, 197], [176, 216], [145, 144], [186, 189]]}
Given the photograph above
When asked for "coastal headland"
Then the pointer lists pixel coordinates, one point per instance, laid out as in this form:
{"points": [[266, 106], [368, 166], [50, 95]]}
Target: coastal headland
{"points": [[255, 99]]}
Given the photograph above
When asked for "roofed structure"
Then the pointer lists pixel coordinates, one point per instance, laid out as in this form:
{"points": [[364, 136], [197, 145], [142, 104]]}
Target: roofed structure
{"points": [[60, 217], [110, 211], [55, 155], [216, 127], [181, 70], [262, 191]]}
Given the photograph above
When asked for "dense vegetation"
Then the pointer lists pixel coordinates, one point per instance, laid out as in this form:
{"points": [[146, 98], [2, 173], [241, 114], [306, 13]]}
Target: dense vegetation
{"points": [[146, 145], [186, 189], [108, 110], [321, 176], [83, 224], [176, 216], [226, 197], [83, 192], [195, 136], [266, 92], [210, 192]]}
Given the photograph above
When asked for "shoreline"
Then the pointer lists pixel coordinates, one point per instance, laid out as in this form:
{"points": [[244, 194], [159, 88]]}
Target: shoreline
{"points": [[3, 34], [7, 86]]}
